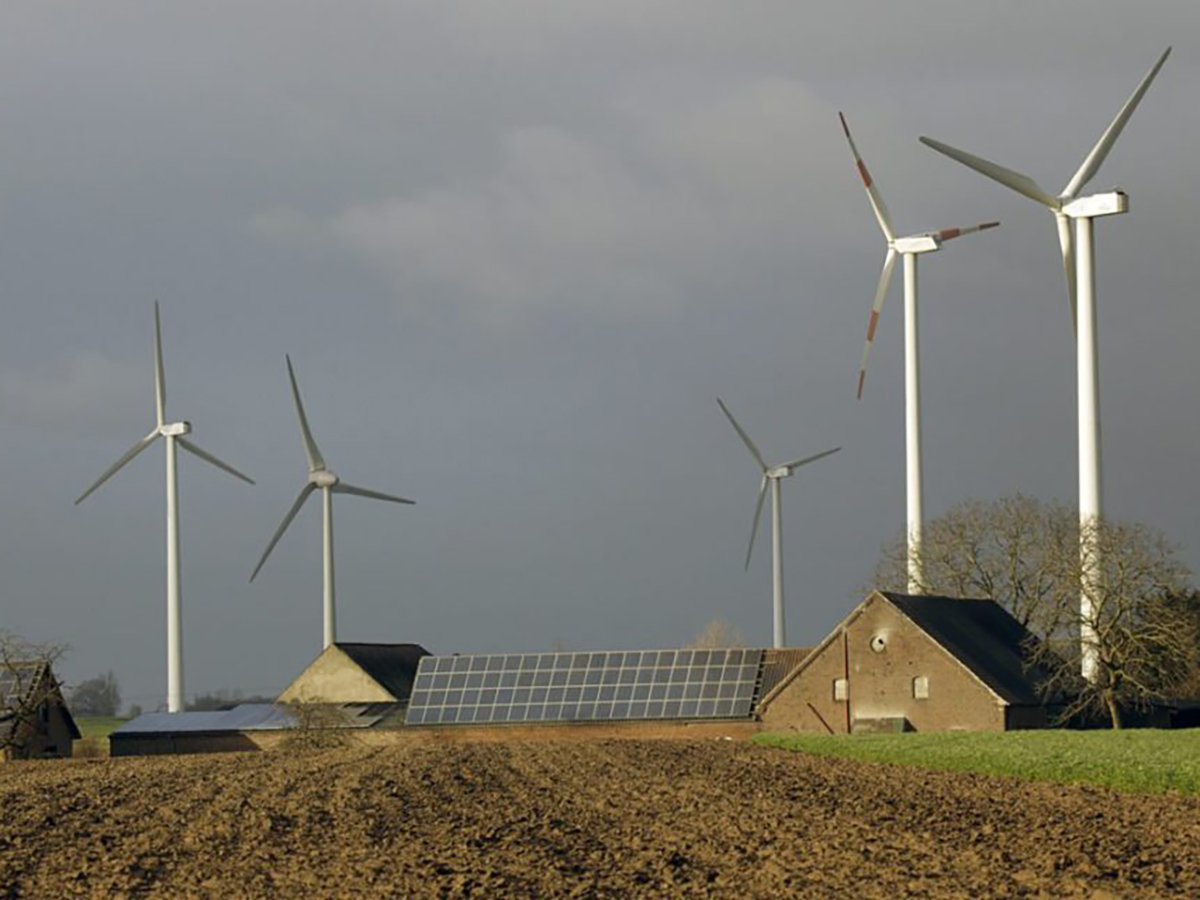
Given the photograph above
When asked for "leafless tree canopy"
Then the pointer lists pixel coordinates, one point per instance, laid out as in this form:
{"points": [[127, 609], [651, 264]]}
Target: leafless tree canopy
{"points": [[1025, 555], [717, 633], [99, 696], [320, 725], [1145, 636], [1011, 550], [26, 684]]}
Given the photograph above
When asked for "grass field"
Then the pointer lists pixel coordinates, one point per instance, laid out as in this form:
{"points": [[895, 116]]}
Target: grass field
{"points": [[1142, 760], [98, 726], [95, 731]]}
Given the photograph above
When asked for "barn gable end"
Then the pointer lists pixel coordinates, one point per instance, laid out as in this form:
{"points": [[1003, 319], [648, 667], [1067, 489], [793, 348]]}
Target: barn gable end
{"points": [[50, 730], [357, 673], [921, 663]]}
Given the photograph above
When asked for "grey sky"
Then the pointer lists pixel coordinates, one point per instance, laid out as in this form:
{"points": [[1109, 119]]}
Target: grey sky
{"points": [[515, 250]]}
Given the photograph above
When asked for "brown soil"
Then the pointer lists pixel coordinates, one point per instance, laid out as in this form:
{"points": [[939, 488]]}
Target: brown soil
{"points": [[609, 819]]}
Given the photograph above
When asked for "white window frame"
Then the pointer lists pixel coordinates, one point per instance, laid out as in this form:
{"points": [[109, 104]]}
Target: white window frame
{"points": [[920, 687]]}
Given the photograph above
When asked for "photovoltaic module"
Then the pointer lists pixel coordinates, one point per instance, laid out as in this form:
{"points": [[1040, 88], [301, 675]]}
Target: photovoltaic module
{"points": [[593, 686]]}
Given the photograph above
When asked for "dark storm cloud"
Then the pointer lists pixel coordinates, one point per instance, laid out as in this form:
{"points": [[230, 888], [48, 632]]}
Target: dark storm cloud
{"points": [[516, 250]]}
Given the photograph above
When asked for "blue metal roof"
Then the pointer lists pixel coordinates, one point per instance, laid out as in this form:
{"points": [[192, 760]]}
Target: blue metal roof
{"points": [[247, 717]]}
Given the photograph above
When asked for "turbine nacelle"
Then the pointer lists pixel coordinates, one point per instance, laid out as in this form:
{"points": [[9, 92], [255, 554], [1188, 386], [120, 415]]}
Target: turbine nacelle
{"points": [[1111, 204], [175, 429], [918, 243], [323, 479], [780, 472]]}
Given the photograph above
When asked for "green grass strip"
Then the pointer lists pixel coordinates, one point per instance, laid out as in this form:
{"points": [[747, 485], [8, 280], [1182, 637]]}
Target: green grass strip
{"points": [[1142, 760], [98, 726]]}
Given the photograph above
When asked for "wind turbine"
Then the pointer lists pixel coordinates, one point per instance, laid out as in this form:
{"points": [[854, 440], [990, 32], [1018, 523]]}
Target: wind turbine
{"points": [[1073, 215], [910, 248], [771, 475], [322, 477], [173, 433]]}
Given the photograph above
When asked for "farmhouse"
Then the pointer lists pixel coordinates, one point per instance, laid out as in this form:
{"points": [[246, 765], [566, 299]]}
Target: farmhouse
{"points": [[34, 720], [906, 663], [896, 663]]}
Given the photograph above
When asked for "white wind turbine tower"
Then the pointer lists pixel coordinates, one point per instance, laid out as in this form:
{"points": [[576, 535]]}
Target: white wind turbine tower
{"points": [[319, 476], [173, 433], [910, 247], [1078, 252], [771, 475]]}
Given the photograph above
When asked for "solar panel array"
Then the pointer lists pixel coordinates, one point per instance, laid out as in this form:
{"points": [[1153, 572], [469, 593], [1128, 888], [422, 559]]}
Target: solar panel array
{"points": [[574, 687], [17, 679]]}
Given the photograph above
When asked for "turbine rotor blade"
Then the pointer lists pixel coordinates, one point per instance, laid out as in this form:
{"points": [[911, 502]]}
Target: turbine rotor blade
{"points": [[889, 263], [745, 437], [209, 458], [949, 234], [1093, 161], [160, 381], [119, 464], [1022, 184], [287, 520], [1066, 242], [342, 488], [877, 204], [762, 494], [797, 463], [316, 462]]}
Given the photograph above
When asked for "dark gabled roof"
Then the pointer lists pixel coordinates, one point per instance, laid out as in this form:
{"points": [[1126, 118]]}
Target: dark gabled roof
{"points": [[394, 666], [983, 636]]}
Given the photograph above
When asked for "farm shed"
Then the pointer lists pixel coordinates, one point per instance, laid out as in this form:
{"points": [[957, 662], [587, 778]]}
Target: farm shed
{"points": [[34, 719], [249, 726], [358, 673], [902, 663]]}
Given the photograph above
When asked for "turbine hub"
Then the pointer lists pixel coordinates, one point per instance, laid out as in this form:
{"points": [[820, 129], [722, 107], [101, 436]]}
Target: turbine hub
{"points": [[175, 429], [779, 472], [323, 479]]}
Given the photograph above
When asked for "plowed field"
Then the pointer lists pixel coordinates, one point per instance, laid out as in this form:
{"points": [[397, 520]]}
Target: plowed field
{"points": [[609, 819]]}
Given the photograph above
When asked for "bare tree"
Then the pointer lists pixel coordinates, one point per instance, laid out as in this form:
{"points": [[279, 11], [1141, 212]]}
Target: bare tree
{"points": [[27, 685], [320, 725], [99, 696], [1187, 607], [1025, 555], [1145, 639], [1010, 550], [717, 633]]}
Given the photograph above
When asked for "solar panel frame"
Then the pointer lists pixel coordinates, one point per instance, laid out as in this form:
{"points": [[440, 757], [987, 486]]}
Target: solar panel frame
{"points": [[597, 686]]}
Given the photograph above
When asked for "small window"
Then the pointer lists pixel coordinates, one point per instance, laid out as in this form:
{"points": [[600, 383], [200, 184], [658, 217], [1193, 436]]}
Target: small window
{"points": [[841, 689], [921, 687]]}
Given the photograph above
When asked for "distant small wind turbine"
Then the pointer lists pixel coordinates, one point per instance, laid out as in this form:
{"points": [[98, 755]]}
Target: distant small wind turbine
{"points": [[771, 475], [910, 247], [319, 476], [173, 433], [1078, 254]]}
